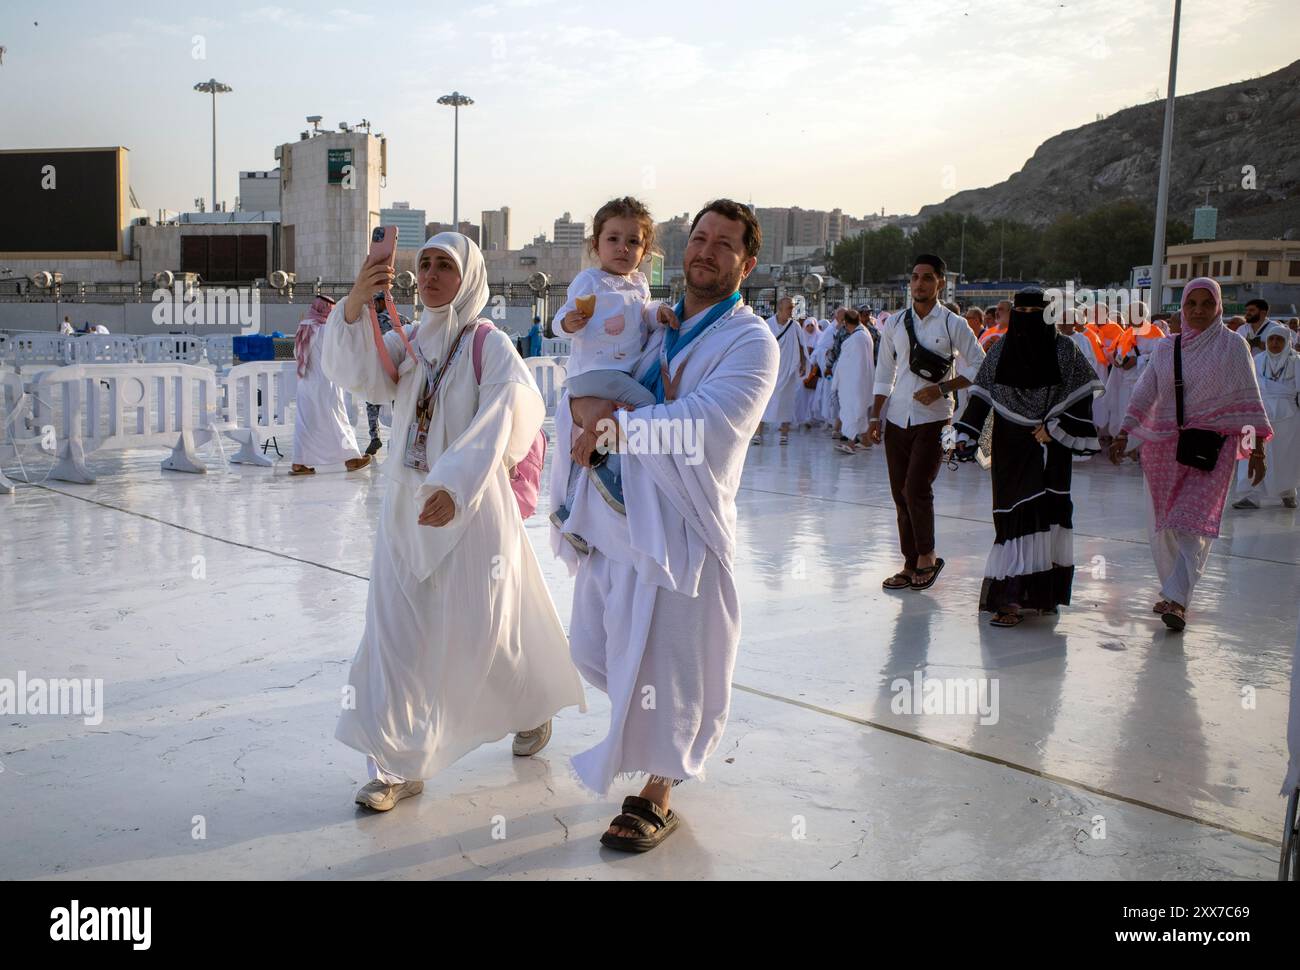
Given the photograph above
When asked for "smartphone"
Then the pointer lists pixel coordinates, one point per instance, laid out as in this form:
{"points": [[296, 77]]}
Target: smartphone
{"points": [[383, 242]]}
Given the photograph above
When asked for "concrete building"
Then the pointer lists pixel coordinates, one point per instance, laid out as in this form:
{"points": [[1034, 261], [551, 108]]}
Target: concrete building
{"points": [[794, 232], [467, 229], [409, 222], [259, 191], [560, 262], [1244, 268], [329, 202], [567, 232], [495, 230], [670, 238], [775, 223]]}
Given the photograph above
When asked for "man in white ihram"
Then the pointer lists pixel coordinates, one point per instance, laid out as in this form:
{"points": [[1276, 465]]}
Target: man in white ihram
{"points": [[656, 616]]}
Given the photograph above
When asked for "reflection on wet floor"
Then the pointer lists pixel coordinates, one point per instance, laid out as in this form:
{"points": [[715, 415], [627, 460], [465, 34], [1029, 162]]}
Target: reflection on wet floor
{"points": [[222, 611]]}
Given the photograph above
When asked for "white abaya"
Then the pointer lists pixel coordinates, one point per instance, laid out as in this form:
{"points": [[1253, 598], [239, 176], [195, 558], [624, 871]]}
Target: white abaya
{"points": [[1279, 386], [854, 379], [825, 399], [321, 432], [656, 614], [462, 644], [805, 398]]}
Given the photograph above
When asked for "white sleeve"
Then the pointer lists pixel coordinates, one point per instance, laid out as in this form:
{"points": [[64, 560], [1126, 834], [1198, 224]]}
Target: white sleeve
{"points": [[350, 358], [887, 363], [584, 284], [969, 350]]}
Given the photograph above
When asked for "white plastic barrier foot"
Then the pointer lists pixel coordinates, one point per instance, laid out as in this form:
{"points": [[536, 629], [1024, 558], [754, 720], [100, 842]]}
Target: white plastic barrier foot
{"points": [[185, 457], [71, 464], [258, 398]]}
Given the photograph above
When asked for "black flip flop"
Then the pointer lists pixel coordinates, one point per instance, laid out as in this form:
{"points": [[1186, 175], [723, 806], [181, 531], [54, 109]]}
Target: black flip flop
{"points": [[1174, 621], [644, 816], [905, 583], [932, 573]]}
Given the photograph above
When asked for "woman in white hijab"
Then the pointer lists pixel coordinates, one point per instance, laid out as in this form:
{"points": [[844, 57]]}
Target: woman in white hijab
{"points": [[462, 644], [1278, 386], [806, 413]]}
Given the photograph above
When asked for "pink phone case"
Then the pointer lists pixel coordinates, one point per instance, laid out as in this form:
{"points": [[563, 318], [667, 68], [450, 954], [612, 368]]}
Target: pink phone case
{"points": [[385, 246]]}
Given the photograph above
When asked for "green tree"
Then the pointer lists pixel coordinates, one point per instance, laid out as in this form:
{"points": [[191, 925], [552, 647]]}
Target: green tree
{"points": [[1101, 247], [887, 253]]}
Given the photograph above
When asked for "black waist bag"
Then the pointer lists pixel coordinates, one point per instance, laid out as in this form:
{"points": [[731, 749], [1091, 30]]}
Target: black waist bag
{"points": [[923, 362], [1197, 447]]}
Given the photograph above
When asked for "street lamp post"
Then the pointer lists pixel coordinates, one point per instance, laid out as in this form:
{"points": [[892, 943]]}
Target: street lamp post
{"points": [[457, 101], [961, 265], [1162, 192], [213, 87]]}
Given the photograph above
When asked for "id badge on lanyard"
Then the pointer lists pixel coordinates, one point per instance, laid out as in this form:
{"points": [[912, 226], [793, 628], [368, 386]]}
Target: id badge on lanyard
{"points": [[417, 433]]}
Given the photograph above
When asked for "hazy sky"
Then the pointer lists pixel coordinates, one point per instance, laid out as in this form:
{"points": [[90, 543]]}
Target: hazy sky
{"points": [[883, 103]]}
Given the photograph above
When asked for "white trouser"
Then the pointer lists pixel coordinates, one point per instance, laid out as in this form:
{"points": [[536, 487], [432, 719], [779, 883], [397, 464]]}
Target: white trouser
{"points": [[377, 773], [1180, 561]]}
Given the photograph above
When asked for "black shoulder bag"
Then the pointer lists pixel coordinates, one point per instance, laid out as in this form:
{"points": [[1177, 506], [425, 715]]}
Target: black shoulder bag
{"points": [[1197, 447], [923, 362]]}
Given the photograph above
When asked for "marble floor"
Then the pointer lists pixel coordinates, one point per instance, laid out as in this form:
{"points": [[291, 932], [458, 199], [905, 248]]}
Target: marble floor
{"points": [[221, 612]]}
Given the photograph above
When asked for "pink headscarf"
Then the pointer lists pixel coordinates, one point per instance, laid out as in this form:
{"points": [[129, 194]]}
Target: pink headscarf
{"points": [[1220, 393], [317, 314]]}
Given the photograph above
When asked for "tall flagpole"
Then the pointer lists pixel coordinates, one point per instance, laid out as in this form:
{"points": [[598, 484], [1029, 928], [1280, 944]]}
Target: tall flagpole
{"points": [[1162, 195]]}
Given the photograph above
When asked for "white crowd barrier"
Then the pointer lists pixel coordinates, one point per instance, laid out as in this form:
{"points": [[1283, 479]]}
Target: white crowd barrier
{"points": [[220, 351], [169, 349], [556, 347], [549, 377], [41, 350], [105, 407], [103, 348], [16, 428], [256, 402]]}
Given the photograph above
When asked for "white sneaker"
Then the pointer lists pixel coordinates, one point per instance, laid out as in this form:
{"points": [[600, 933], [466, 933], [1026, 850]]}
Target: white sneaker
{"points": [[528, 743], [381, 796]]}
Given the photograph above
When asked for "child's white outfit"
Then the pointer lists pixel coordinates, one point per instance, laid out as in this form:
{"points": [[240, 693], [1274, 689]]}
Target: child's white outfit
{"points": [[605, 353]]}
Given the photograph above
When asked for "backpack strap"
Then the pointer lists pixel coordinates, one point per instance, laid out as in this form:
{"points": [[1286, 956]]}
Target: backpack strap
{"points": [[480, 336]]}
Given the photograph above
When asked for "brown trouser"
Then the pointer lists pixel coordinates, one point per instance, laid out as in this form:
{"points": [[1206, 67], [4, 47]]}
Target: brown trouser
{"points": [[913, 456]]}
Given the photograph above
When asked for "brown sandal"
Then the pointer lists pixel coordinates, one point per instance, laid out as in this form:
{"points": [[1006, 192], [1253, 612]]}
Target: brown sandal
{"points": [[352, 464], [1007, 618], [1175, 618], [926, 575], [898, 581], [302, 470], [1161, 607], [643, 816]]}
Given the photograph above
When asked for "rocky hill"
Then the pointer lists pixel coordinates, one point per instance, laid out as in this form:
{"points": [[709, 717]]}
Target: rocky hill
{"points": [[1216, 134]]}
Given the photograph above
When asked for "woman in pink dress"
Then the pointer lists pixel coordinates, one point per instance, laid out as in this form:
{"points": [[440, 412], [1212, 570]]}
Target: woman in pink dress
{"points": [[1220, 397]]}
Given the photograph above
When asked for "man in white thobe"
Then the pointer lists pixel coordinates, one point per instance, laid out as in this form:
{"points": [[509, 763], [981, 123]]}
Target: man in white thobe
{"points": [[780, 409], [854, 382], [656, 614]]}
